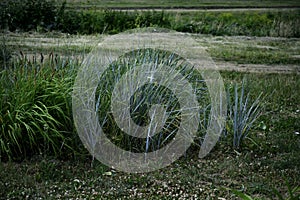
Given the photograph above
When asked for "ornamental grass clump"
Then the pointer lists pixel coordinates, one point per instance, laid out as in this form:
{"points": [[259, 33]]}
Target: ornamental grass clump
{"points": [[35, 105], [143, 101], [242, 113]]}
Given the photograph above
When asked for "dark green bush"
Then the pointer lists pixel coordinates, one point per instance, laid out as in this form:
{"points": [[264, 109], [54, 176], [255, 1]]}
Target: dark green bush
{"points": [[48, 15], [252, 23], [70, 22], [28, 15]]}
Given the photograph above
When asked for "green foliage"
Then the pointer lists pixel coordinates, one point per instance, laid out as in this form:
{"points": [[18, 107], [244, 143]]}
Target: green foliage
{"points": [[29, 14], [109, 21], [35, 110], [252, 23], [49, 15]]}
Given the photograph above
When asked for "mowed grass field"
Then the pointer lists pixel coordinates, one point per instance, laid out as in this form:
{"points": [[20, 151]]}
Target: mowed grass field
{"points": [[41, 73]]}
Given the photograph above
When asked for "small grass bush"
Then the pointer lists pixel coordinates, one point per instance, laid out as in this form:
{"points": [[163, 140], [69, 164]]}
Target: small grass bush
{"points": [[242, 113]]}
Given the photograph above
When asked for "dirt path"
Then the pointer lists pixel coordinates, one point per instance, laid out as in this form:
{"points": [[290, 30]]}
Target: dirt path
{"points": [[67, 46], [258, 68]]}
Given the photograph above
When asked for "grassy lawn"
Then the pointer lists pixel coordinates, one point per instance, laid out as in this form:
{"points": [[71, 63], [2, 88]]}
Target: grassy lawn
{"points": [[251, 172]]}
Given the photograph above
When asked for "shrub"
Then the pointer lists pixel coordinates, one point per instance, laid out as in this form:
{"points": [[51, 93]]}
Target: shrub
{"points": [[28, 15], [109, 21], [70, 22]]}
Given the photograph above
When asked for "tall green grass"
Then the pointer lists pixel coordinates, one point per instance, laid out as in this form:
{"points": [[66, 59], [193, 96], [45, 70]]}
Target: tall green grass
{"points": [[35, 107], [36, 117]]}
